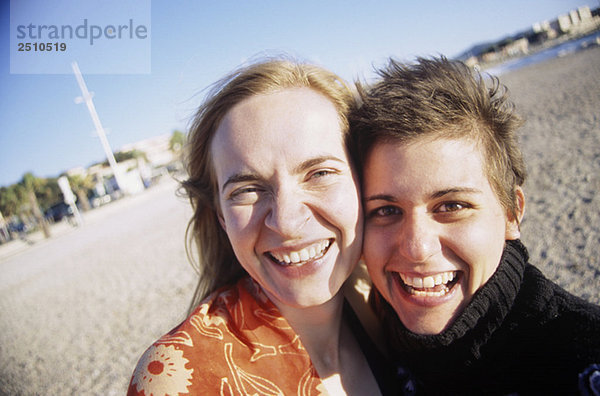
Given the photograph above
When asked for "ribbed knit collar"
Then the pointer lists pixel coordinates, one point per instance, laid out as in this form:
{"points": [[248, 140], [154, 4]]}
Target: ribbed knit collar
{"points": [[484, 314]]}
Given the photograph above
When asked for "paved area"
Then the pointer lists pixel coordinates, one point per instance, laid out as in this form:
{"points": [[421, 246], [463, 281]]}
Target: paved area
{"points": [[77, 310]]}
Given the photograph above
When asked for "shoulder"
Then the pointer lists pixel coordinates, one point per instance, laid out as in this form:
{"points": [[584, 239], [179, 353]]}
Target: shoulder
{"points": [[234, 335], [551, 303], [549, 338], [171, 365], [557, 332]]}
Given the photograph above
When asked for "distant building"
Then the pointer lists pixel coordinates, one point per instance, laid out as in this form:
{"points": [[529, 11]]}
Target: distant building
{"points": [[543, 31], [135, 173], [578, 21], [574, 15], [77, 171], [157, 150], [516, 48], [471, 61]]}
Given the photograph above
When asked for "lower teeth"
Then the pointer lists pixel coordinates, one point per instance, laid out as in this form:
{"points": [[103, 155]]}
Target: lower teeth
{"points": [[428, 293]]}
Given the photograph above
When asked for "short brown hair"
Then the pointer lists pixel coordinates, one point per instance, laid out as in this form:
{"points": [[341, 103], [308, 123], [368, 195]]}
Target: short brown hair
{"points": [[441, 98], [216, 262]]}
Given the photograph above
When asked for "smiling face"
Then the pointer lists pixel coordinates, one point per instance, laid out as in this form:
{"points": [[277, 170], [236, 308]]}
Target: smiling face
{"points": [[287, 194], [434, 228]]}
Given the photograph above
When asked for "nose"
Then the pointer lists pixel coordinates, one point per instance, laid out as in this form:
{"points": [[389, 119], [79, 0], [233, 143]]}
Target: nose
{"points": [[288, 213], [418, 239]]}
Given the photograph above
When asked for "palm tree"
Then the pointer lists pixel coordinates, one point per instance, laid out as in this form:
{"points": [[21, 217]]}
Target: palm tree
{"points": [[177, 141], [81, 186], [176, 145], [31, 183], [11, 200]]}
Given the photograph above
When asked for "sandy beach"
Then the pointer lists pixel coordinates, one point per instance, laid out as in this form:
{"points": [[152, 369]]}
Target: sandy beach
{"points": [[78, 310], [559, 100]]}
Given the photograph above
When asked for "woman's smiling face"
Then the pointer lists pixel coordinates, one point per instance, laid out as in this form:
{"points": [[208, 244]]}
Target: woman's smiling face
{"points": [[288, 198], [434, 228]]}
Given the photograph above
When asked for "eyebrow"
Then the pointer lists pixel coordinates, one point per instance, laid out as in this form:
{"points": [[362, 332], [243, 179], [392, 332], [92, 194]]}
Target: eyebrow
{"points": [[250, 176], [239, 178], [309, 163], [434, 195], [380, 197], [454, 190]]}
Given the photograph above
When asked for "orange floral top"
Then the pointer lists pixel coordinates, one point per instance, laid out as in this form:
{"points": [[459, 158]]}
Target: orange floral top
{"points": [[235, 343]]}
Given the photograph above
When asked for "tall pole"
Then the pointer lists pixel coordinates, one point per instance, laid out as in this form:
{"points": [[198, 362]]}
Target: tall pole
{"points": [[86, 97]]}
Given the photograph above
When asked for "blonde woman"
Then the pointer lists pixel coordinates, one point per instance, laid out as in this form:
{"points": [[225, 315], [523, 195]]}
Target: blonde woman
{"points": [[278, 229]]}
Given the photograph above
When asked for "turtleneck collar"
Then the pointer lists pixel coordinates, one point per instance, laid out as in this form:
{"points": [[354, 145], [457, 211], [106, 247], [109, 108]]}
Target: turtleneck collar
{"points": [[478, 321]]}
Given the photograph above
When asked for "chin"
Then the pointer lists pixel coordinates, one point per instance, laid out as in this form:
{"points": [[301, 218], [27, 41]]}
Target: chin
{"points": [[425, 324], [302, 299], [426, 328]]}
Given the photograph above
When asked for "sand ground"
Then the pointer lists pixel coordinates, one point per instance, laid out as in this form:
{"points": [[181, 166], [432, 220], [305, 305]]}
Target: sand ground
{"points": [[77, 310], [560, 100]]}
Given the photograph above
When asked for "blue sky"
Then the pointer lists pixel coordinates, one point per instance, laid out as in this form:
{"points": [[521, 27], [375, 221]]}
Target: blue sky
{"points": [[193, 43]]}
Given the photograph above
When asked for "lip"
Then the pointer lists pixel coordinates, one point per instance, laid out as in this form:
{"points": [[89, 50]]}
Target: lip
{"points": [[302, 268], [298, 254], [425, 300]]}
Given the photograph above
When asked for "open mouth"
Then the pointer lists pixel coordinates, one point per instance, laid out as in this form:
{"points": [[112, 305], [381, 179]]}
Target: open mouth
{"points": [[302, 256], [437, 285]]}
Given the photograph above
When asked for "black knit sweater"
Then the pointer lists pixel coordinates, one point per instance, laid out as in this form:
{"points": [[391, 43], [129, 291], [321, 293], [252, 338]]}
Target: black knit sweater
{"points": [[520, 334]]}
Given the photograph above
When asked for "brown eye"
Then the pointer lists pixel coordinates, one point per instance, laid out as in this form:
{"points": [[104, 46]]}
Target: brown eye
{"points": [[321, 173], [384, 211], [245, 195], [245, 190], [451, 207]]}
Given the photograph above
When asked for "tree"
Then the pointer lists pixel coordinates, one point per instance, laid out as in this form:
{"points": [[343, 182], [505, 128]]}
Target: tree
{"points": [[121, 156], [81, 186], [11, 200], [176, 145], [178, 140], [30, 183], [47, 192]]}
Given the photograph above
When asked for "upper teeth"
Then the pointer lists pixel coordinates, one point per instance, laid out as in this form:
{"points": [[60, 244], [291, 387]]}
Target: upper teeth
{"points": [[428, 281], [308, 253]]}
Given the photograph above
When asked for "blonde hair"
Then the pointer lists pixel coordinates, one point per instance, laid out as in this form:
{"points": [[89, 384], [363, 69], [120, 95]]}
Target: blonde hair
{"points": [[216, 262]]}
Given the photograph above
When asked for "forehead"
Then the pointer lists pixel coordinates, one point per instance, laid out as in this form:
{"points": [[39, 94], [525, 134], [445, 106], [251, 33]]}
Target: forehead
{"points": [[429, 163], [430, 150], [284, 126], [286, 114]]}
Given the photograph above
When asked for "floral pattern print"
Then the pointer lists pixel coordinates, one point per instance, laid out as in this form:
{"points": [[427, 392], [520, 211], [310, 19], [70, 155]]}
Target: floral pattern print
{"points": [[161, 371], [235, 343]]}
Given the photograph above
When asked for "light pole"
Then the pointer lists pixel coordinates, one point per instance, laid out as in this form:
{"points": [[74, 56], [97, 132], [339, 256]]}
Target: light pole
{"points": [[86, 97]]}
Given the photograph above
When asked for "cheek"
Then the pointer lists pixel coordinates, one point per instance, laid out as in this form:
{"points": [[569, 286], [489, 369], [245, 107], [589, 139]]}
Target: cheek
{"points": [[480, 246], [376, 247], [377, 251], [239, 223], [341, 207]]}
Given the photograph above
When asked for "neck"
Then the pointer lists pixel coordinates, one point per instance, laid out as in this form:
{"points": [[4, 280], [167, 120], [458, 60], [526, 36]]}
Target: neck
{"points": [[333, 350], [319, 329]]}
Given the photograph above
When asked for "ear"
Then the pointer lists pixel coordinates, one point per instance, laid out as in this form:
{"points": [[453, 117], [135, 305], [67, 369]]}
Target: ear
{"points": [[513, 230]]}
